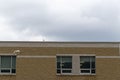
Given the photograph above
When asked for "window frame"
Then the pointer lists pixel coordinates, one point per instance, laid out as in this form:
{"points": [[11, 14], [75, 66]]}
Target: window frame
{"points": [[90, 66], [11, 65], [75, 64], [61, 69]]}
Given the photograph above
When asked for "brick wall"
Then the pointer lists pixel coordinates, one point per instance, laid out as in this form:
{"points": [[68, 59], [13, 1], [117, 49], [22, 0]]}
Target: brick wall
{"points": [[45, 68]]}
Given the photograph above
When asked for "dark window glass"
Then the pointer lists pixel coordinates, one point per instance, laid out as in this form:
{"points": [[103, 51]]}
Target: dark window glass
{"points": [[93, 62], [93, 71], [14, 62], [58, 64], [5, 71], [66, 71], [58, 71], [67, 65], [64, 62], [67, 62], [58, 58], [85, 71], [58, 61], [84, 62], [87, 64], [5, 61], [8, 64], [13, 70]]}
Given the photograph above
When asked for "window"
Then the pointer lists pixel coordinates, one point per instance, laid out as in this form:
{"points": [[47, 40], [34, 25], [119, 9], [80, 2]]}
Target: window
{"points": [[64, 64], [7, 64], [75, 64], [87, 64]]}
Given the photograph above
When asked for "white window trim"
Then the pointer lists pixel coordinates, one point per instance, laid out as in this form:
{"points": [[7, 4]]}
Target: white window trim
{"points": [[10, 73], [78, 64], [7, 74], [89, 69], [62, 69]]}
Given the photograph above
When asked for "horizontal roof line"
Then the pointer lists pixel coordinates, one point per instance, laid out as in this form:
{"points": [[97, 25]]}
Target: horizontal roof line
{"points": [[58, 42]]}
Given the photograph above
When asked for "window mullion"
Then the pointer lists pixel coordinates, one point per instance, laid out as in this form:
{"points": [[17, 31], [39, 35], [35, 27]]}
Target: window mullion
{"points": [[90, 66], [11, 65], [61, 64]]}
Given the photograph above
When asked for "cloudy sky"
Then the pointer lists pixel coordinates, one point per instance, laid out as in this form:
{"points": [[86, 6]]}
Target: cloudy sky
{"points": [[60, 20]]}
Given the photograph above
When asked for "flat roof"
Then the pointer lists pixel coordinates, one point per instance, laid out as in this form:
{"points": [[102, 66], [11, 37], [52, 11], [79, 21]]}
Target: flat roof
{"points": [[57, 44]]}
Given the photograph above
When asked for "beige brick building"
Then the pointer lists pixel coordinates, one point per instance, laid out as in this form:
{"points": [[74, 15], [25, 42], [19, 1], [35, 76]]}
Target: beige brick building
{"points": [[59, 60]]}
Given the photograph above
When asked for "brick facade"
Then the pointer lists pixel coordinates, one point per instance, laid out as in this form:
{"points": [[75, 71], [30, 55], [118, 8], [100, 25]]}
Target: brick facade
{"points": [[44, 68]]}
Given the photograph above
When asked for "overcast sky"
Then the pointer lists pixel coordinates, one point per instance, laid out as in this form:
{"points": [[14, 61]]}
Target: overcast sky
{"points": [[60, 20]]}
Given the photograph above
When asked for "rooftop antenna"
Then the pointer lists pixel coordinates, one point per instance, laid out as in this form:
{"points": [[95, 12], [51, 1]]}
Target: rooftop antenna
{"points": [[43, 39]]}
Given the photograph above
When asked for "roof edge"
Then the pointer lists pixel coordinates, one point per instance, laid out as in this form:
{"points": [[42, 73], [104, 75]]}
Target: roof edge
{"points": [[59, 42]]}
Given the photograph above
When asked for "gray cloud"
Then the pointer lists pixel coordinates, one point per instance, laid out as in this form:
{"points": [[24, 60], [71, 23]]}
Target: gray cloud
{"points": [[89, 20]]}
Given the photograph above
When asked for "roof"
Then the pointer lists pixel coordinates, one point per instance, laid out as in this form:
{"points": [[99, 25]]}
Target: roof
{"points": [[57, 44]]}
